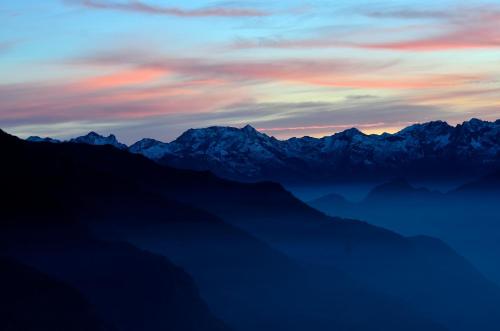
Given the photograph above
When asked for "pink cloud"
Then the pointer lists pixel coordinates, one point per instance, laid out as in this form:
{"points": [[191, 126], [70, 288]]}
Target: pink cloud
{"points": [[144, 8], [144, 87], [328, 73], [116, 97], [335, 73]]}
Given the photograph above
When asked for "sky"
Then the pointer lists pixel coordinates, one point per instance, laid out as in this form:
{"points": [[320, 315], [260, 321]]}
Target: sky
{"points": [[152, 68]]}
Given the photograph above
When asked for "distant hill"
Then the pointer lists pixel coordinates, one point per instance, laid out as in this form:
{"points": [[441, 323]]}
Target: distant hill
{"points": [[465, 217], [487, 186]]}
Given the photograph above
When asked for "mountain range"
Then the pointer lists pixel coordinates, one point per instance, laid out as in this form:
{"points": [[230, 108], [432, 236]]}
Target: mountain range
{"points": [[90, 215], [422, 151]]}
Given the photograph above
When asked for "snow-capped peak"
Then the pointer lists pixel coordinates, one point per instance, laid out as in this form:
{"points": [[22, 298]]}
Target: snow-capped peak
{"points": [[93, 138], [38, 139], [245, 153], [249, 129], [350, 133], [429, 127], [150, 148]]}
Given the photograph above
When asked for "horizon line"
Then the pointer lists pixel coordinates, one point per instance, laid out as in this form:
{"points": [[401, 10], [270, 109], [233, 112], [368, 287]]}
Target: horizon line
{"points": [[346, 127]]}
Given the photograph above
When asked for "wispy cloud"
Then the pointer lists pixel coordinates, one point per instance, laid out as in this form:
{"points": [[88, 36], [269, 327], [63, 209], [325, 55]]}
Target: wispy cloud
{"points": [[333, 73], [359, 63], [283, 119], [455, 29], [408, 13], [449, 29], [54, 102], [145, 8], [141, 87]]}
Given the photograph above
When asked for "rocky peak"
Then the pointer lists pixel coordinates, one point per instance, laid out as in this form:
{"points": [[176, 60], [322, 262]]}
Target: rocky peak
{"points": [[93, 138], [38, 139]]}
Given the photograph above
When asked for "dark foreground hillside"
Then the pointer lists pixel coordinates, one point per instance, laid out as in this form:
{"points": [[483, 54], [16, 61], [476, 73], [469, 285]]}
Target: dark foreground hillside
{"points": [[75, 281], [262, 259], [32, 300]]}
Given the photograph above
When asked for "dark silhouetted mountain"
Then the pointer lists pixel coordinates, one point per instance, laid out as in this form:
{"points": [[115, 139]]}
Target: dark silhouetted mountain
{"points": [[245, 281], [131, 289], [32, 301], [333, 269], [43, 203]]}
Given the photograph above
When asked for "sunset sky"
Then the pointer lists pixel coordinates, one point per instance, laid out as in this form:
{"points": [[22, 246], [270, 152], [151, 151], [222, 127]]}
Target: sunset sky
{"points": [[155, 68]]}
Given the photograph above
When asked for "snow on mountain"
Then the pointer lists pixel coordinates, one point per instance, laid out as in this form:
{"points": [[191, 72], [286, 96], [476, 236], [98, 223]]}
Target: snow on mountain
{"points": [[38, 139], [93, 138], [247, 154], [151, 148], [240, 152]]}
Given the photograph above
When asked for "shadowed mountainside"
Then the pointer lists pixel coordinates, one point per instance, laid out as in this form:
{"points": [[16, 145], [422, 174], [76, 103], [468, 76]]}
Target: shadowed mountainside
{"points": [[119, 196], [344, 260], [32, 301], [130, 289]]}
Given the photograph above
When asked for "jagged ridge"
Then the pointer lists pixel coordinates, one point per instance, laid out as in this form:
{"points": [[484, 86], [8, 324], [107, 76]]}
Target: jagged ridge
{"points": [[247, 154]]}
